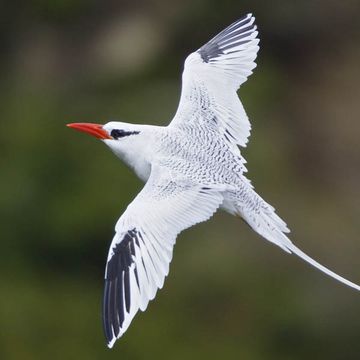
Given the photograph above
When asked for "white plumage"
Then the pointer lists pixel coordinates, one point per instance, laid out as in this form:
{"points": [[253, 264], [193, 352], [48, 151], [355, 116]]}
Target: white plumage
{"points": [[192, 167]]}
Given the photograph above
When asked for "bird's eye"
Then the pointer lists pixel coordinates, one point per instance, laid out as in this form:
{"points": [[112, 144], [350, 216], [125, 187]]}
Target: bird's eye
{"points": [[117, 133]]}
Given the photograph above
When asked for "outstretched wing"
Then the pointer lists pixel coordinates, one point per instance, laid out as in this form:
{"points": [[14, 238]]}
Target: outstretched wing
{"points": [[141, 250], [211, 77]]}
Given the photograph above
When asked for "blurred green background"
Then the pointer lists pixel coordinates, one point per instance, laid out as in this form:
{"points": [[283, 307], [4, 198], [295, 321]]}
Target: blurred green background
{"points": [[229, 294]]}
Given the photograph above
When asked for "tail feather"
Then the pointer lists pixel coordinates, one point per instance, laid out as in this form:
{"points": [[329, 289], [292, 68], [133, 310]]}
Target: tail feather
{"points": [[324, 269], [262, 218]]}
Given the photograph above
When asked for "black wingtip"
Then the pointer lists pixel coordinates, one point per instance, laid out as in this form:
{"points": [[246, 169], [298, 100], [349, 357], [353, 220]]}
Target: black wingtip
{"points": [[110, 344], [117, 290], [235, 34]]}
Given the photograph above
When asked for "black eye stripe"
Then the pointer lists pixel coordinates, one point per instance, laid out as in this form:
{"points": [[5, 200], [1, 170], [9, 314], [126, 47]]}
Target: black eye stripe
{"points": [[117, 133]]}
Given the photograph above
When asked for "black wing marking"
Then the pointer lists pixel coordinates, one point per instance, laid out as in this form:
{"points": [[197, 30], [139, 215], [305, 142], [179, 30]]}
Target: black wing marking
{"points": [[117, 298], [234, 35]]}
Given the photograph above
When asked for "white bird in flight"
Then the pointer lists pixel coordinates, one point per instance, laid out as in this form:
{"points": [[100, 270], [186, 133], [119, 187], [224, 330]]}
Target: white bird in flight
{"points": [[192, 167]]}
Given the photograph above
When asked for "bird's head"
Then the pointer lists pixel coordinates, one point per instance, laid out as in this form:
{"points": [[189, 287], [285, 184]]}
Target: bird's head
{"points": [[112, 133], [127, 141]]}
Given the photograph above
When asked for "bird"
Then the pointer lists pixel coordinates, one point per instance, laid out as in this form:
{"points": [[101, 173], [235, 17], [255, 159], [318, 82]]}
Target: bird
{"points": [[191, 168]]}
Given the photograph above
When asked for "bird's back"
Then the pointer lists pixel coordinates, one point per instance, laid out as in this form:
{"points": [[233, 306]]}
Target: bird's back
{"points": [[200, 155]]}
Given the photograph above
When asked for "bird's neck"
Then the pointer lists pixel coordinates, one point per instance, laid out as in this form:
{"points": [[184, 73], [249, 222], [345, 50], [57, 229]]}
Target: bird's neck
{"points": [[137, 152]]}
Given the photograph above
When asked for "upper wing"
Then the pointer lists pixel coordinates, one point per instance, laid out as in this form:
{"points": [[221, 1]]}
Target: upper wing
{"points": [[211, 78], [141, 250]]}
